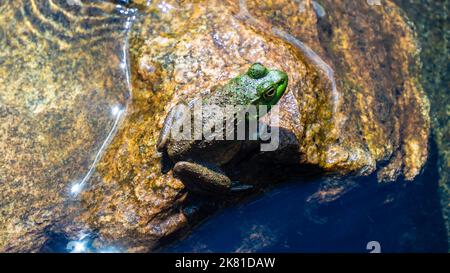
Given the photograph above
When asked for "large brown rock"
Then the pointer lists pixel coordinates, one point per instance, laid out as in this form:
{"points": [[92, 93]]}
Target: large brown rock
{"points": [[354, 106], [350, 106]]}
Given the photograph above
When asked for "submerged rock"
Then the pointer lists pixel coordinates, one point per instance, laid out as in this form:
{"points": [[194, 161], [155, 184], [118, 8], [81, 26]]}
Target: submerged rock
{"points": [[354, 106], [61, 75]]}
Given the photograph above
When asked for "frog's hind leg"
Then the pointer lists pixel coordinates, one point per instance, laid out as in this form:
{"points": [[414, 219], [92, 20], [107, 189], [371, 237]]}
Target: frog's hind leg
{"points": [[201, 178], [207, 179]]}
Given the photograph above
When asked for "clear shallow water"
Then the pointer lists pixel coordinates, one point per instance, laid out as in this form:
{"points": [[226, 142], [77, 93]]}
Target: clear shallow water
{"points": [[64, 84]]}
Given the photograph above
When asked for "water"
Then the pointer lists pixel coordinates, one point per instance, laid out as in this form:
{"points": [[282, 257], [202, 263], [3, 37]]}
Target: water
{"points": [[64, 85], [432, 24], [402, 217]]}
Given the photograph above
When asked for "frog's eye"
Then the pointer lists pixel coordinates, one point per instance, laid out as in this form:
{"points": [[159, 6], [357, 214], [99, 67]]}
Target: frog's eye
{"points": [[257, 71], [269, 92]]}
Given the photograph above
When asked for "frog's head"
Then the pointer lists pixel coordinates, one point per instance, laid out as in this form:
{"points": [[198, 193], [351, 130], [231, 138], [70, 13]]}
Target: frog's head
{"points": [[265, 86]]}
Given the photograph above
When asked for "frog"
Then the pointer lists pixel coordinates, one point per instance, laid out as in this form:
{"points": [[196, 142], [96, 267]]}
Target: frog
{"points": [[198, 163]]}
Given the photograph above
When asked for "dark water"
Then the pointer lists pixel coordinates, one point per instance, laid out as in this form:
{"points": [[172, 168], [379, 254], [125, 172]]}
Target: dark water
{"points": [[402, 216]]}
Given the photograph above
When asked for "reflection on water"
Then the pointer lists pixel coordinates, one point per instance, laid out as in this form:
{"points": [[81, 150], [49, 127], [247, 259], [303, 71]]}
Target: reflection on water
{"points": [[117, 112], [64, 85]]}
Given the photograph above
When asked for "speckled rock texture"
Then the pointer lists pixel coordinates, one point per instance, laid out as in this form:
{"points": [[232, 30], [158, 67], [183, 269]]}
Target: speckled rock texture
{"points": [[355, 106]]}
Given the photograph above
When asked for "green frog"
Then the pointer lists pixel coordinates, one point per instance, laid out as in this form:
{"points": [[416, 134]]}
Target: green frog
{"points": [[198, 163]]}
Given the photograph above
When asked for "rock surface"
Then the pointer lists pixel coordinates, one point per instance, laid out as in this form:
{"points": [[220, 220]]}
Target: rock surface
{"points": [[355, 106]]}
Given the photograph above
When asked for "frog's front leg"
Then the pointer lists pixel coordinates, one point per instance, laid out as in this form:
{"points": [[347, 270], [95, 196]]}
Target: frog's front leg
{"points": [[176, 113]]}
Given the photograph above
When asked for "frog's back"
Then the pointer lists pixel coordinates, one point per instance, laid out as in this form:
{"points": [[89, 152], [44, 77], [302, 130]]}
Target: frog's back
{"points": [[215, 149]]}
